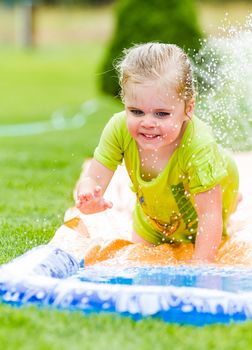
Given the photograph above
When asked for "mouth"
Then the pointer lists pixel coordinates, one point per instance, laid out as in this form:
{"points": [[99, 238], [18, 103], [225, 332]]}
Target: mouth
{"points": [[150, 136]]}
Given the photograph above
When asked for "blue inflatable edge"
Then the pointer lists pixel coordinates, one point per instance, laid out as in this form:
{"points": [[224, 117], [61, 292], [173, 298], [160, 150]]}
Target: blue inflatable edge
{"points": [[42, 277]]}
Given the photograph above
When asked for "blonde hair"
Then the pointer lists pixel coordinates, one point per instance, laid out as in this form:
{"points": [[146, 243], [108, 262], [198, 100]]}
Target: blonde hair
{"points": [[152, 61]]}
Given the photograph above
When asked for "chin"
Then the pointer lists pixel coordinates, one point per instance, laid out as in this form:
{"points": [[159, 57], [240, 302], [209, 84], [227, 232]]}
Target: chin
{"points": [[152, 147]]}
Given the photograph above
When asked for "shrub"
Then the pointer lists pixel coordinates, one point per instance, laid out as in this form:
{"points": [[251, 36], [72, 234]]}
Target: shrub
{"points": [[139, 21]]}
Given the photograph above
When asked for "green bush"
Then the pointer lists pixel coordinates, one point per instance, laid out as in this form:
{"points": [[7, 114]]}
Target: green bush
{"points": [[139, 21]]}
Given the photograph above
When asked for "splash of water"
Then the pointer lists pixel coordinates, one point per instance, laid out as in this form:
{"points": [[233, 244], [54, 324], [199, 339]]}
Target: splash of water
{"points": [[224, 69]]}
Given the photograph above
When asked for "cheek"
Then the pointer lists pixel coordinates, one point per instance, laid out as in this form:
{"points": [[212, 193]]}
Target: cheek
{"points": [[175, 127], [132, 127], [172, 130], [171, 127]]}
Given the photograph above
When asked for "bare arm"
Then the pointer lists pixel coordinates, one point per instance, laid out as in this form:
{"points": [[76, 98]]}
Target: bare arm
{"points": [[91, 187], [209, 209]]}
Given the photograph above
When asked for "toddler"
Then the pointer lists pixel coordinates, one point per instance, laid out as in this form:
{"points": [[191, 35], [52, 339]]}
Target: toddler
{"points": [[186, 186]]}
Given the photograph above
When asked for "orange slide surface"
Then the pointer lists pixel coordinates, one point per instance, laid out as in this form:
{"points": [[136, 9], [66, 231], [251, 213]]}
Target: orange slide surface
{"points": [[122, 252]]}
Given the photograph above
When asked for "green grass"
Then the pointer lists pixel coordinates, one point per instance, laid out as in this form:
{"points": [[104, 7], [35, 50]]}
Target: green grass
{"points": [[31, 328], [38, 172], [37, 177], [35, 83]]}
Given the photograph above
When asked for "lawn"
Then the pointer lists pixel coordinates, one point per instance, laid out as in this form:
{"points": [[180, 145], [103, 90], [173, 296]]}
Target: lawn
{"points": [[36, 83], [38, 173]]}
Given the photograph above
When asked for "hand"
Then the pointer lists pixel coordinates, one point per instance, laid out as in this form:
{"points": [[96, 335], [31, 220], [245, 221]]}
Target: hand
{"points": [[90, 203]]}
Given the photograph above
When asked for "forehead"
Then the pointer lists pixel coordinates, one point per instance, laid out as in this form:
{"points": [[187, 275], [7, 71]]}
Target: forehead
{"points": [[153, 94]]}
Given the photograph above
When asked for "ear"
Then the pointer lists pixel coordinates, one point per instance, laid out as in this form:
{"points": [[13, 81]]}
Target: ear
{"points": [[189, 107]]}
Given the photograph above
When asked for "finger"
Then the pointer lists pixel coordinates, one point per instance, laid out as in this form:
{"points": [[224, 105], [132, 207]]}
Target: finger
{"points": [[108, 205], [86, 197], [98, 191]]}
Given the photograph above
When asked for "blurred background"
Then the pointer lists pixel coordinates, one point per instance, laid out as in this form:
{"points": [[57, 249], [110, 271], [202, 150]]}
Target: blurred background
{"points": [[77, 21], [56, 54]]}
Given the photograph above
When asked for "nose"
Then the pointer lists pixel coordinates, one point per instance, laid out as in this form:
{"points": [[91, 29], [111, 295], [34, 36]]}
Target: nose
{"points": [[149, 121]]}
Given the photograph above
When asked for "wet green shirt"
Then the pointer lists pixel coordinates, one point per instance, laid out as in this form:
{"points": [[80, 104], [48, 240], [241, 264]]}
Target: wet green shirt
{"points": [[165, 209]]}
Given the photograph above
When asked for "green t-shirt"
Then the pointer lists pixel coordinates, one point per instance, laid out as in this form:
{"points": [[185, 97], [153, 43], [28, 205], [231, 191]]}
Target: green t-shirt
{"points": [[165, 209]]}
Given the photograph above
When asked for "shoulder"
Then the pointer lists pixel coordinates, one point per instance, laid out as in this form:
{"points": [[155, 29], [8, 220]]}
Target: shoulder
{"points": [[201, 158], [199, 133], [119, 117], [118, 121], [198, 142], [117, 125], [111, 147], [121, 121]]}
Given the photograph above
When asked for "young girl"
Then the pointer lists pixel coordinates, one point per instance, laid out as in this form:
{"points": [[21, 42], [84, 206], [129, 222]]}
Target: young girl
{"points": [[186, 186]]}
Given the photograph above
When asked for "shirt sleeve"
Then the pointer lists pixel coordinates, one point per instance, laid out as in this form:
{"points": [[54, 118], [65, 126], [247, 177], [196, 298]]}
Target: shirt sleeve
{"points": [[205, 168], [109, 151]]}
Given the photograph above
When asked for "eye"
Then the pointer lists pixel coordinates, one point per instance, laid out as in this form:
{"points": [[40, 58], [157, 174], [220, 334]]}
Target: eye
{"points": [[162, 114], [137, 112]]}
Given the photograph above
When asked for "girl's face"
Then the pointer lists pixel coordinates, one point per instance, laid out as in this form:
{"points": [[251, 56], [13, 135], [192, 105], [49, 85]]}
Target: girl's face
{"points": [[155, 115]]}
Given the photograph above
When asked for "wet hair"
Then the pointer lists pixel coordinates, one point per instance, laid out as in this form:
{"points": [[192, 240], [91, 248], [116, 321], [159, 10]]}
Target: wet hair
{"points": [[157, 61]]}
